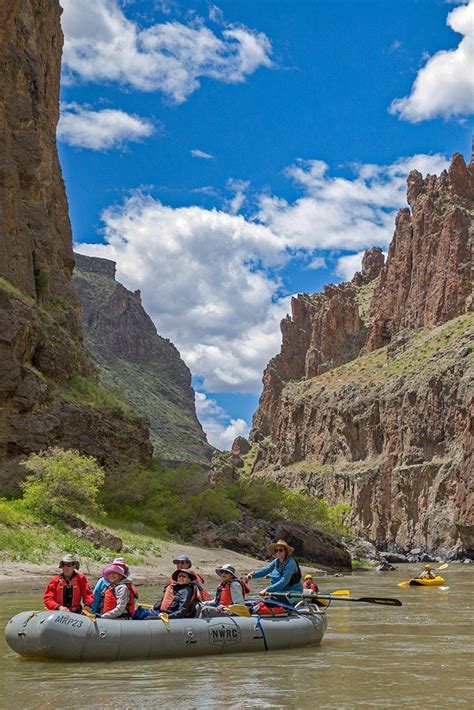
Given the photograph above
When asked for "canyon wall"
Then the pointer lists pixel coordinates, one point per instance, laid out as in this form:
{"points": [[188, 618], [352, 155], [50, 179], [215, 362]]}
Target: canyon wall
{"points": [[43, 362], [372, 405]]}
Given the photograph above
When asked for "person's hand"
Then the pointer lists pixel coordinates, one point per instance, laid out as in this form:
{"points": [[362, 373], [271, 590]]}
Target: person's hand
{"points": [[248, 576], [63, 608], [264, 593], [87, 608]]}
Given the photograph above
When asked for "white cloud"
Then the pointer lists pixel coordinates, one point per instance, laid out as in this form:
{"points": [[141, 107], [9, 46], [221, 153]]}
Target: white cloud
{"points": [[216, 15], [196, 153], [239, 188], [221, 430], [445, 85], [343, 213], [211, 280], [206, 280], [102, 44], [82, 127], [317, 263], [347, 265]]}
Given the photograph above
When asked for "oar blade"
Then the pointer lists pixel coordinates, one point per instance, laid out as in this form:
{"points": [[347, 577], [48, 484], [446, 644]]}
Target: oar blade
{"points": [[341, 593], [403, 584], [380, 600], [445, 566]]}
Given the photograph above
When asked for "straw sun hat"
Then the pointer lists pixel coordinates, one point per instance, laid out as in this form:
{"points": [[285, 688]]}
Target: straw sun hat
{"points": [[280, 543]]}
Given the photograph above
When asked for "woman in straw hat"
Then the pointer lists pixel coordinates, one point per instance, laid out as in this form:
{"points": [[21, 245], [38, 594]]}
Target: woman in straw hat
{"points": [[284, 570]]}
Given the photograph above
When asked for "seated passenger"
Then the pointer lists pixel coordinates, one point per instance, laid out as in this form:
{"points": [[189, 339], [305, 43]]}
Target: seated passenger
{"points": [[118, 598], [102, 583], [309, 584], [67, 590], [183, 562], [284, 570], [230, 591], [180, 598], [427, 573]]}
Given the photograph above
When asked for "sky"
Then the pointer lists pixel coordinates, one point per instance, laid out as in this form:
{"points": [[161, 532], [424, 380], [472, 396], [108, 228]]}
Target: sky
{"points": [[229, 156]]}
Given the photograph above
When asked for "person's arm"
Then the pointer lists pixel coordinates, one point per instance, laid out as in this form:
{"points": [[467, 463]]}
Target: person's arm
{"points": [[180, 603], [122, 595], [49, 596], [264, 570], [236, 592], [283, 582], [99, 586]]}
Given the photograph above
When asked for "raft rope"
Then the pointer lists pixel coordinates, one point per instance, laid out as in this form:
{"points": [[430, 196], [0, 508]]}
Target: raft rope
{"points": [[260, 626]]}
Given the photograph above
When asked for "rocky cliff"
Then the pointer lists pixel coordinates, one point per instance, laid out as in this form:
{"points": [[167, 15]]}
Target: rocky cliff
{"points": [[131, 356], [370, 399], [43, 363]]}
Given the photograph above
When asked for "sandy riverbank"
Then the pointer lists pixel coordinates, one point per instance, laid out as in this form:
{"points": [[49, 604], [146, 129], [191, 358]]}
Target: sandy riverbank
{"points": [[26, 577]]}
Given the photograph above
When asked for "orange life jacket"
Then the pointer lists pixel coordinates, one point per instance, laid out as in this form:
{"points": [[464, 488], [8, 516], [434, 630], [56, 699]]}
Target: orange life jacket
{"points": [[109, 599], [203, 594], [224, 595], [169, 595], [310, 585], [63, 585]]}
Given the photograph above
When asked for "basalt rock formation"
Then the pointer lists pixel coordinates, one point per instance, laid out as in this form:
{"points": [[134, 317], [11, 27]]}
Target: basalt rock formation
{"points": [[146, 368], [370, 399], [41, 348]]}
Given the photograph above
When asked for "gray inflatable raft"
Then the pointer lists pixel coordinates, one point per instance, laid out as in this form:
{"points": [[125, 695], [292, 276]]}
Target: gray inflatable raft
{"points": [[55, 634]]}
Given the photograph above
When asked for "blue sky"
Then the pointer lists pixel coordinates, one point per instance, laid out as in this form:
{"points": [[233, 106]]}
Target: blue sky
{"points": [[228, 156]]}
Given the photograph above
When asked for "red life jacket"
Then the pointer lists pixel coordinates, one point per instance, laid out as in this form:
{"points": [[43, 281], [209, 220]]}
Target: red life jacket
{"points": [[310, 585], [109, 599], [224, 595], [269, 610], [62, 591], [169, 595]]}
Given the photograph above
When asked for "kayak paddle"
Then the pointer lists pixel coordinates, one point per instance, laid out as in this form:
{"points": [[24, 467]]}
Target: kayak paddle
{"points": [[438, 569]]}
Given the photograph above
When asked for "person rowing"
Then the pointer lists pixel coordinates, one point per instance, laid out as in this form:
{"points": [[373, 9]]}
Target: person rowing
{"points": [[283, 570], [427, 573]]}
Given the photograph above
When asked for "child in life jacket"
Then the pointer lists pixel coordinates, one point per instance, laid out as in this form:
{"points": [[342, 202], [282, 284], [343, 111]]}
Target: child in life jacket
{"points": [[309, 584], [229, 592], [180, 597], [102, 583], [118, 599], [67, 590], [183, 562]]}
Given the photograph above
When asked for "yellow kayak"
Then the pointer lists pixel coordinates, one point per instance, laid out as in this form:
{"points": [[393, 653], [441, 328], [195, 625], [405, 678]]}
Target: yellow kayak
{"points": [[436, 582]]}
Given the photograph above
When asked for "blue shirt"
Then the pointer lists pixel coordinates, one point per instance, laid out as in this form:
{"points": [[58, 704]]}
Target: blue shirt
{"points": [[280, 575], [98, 589]]}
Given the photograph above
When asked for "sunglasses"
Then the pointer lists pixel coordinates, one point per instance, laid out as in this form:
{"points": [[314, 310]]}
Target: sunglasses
{"points": [[67, 564], [280, 549]]}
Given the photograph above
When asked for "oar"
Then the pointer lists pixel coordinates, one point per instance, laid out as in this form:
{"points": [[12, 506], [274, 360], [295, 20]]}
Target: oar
{"points": [[341, 593], [89, 615], [445, 566], [366, 600]]}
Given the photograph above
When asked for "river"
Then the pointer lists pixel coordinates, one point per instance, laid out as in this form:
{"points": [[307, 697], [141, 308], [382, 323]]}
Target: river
{"points": [[371, 657]]}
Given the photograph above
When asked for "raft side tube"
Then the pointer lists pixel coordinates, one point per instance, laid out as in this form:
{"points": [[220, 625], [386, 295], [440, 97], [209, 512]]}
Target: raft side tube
{"points": [[75, 637]]}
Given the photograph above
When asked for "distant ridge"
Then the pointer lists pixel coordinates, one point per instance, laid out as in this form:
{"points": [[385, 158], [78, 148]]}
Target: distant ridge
{"points": [[146, 368]]}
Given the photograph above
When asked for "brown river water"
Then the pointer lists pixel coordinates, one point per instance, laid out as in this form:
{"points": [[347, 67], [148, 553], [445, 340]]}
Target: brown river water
{"points": [[415, 656]]}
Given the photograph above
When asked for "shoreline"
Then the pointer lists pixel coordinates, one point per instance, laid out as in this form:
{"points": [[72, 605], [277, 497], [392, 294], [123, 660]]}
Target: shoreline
{"points": [[28, 578]]}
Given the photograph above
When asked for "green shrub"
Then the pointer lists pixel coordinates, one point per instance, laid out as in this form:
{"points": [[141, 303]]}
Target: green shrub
{"points": [[62, 482]]}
